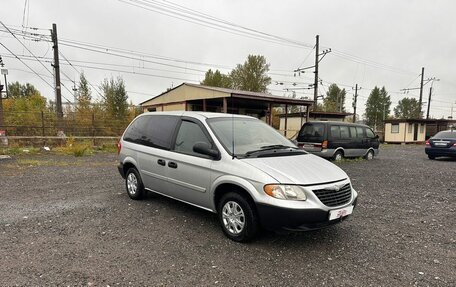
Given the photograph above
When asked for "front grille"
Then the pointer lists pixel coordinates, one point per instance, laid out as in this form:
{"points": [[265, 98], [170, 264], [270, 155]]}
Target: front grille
{"points": [[331, 197]]}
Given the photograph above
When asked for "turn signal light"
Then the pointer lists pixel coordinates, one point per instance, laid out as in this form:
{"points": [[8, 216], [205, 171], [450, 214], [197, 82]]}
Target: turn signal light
{"points": [[324, 144], [119, 147]]}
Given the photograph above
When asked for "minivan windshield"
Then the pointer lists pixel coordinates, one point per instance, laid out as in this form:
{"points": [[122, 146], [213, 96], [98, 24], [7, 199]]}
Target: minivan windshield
{"points": [[250, 136]]}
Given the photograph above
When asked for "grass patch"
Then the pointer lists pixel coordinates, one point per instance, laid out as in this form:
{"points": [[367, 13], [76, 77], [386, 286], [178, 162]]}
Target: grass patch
{"points": [[38, 162], [19, 150]]}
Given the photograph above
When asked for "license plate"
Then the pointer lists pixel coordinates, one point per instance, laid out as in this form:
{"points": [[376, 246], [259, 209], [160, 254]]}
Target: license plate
{"points": [[338, 213], [440, 144]]}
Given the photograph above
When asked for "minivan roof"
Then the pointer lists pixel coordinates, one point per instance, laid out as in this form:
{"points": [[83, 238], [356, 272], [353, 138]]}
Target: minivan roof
{"points": [[337, 123]]}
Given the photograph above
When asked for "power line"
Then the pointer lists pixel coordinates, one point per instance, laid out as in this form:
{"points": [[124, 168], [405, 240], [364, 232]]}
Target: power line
{"points": [[25, 64], [26, 48], [206, 20]]}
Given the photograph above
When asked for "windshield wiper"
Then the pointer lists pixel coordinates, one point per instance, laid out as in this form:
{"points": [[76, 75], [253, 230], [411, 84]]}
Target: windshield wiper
{"points": [[269, 147]]}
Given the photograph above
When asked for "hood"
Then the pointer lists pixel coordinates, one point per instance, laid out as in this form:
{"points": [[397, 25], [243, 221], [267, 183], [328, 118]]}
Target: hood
{"points": [[299, 169]]}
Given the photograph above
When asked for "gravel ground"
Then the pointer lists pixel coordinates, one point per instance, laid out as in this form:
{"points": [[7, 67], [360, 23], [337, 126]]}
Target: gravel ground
{"points": [[68, 221]]}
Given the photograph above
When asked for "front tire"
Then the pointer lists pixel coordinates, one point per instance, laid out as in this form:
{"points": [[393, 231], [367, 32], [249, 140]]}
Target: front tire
{"points": [[237, 217], [338, 156], [369, 155], [134, 184]]}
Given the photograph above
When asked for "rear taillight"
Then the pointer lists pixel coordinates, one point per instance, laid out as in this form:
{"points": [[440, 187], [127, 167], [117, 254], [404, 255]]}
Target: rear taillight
{"points": [[454, 145], [324, 144], [119, 147], [428, 143]]}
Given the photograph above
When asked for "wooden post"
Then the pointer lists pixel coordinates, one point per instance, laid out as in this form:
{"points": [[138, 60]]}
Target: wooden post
{"points": [[42, 124], [225, 105], [270, 114], [286, 120], [204, 105], [93, 128]]}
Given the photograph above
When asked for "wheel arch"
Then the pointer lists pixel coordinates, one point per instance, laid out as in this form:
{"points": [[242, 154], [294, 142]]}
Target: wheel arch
{"points": [[129, 163], [241, 187]]}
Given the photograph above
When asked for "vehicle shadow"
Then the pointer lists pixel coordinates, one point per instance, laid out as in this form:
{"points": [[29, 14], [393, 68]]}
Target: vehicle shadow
{"points": [[445, 159], [293, 239]]}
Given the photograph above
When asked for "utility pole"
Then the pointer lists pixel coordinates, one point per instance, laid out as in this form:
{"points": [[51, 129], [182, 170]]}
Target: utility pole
{"points": [[430, 95], [318, 57], [354, 103], [317, 47], [4, 72], [421, 91], [429, 103], [58, 90], [75, 94]]}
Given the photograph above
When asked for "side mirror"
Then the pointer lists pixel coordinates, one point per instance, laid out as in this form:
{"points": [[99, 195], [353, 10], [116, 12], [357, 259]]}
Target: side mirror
{"points": [[205, 148], [376, 136]]}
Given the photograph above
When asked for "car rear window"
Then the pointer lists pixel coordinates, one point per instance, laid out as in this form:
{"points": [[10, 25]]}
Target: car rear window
{"points": [[312, 132], [155, 131], [445, 135]]}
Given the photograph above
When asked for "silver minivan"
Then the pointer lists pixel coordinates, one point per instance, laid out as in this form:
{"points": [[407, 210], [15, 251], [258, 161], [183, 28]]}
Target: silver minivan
{"points": [[235, 166]]}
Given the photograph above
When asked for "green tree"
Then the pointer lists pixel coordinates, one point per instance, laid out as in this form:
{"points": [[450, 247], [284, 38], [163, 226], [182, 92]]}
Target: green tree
{"points": [[407, 108], [115, 98], [23, 111], [335, 99], [216, 79], [17, 90], [377, 107], [252, 75], [84, 95]]}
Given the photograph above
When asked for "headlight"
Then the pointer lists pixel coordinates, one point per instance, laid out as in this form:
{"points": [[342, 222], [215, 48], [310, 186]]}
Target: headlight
{"points": [[290, 192]]}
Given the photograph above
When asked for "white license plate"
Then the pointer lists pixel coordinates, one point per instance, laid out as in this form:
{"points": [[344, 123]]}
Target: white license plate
{"points": [[440, 144], [338, 213]]}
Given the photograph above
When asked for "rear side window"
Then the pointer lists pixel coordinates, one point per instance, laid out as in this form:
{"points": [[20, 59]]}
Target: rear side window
{"points": [[335, 132], [312, 132], [359, 132], [344, 134], [154, 131], [353, 132]]}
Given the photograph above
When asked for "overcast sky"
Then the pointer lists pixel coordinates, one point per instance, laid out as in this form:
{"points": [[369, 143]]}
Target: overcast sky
{"points": [[374, 43]]}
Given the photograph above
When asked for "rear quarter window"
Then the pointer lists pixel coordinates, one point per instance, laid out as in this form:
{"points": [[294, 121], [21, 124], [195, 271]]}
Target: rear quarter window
{"points": [[154, 131]]}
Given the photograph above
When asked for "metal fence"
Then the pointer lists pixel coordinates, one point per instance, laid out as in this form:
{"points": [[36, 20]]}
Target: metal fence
{"points": [[78, 124]]}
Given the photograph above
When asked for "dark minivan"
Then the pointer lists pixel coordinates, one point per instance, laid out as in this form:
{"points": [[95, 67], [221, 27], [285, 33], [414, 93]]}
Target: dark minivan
{"points": [[336, 140]]}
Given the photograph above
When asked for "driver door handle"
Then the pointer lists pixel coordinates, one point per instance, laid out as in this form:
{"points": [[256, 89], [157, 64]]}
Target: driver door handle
{"points": [[161, 162], [172, 164]]}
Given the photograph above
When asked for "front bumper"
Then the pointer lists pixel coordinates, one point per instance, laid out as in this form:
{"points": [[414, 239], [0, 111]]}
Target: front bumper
{"points": [[280, 218]]}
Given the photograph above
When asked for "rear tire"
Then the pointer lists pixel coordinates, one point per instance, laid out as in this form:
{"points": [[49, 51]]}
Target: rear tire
{"points": [[338, 156], [237, 217], [134, 184], [369, 155], [431, 156]]}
